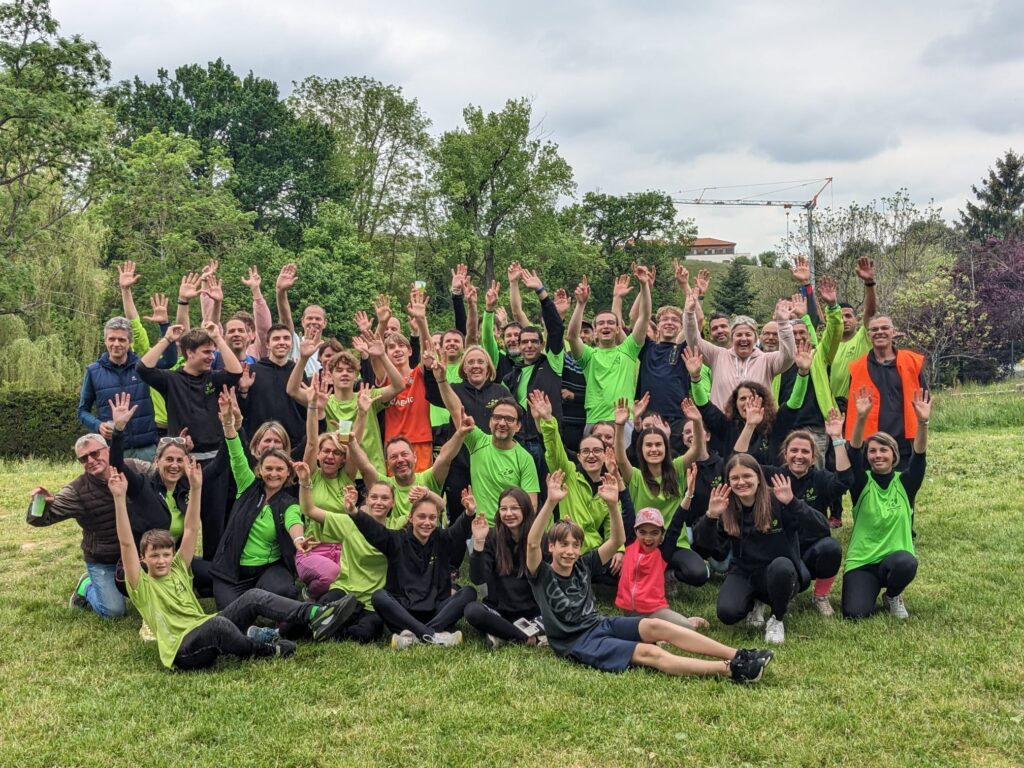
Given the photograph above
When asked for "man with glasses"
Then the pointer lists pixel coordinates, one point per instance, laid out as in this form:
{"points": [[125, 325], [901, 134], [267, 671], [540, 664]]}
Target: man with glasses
{"points": [[87, 501]]}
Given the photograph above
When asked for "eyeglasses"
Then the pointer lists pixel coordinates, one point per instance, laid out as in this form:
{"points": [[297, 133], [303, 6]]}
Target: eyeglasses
{"points": [[172, 441], [506, 419], [331, 452], [90, 456], [591, 451]]}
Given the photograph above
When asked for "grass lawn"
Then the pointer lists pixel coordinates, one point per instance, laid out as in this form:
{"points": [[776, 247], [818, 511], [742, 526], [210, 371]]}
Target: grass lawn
{"points": [[944, 688]]}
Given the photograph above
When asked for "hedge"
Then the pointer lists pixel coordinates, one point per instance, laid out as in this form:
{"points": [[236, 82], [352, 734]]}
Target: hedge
{"points": [[42, 424]]}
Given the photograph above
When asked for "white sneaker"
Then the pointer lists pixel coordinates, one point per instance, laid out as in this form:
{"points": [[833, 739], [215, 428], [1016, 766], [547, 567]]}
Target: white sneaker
{"points": [[492, 642], [404, 639], [146, 633], [445, 639], [896, 606], [755, 618], [774, 632], [823, 605]]}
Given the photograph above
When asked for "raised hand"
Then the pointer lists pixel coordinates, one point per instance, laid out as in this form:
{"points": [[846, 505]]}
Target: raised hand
{"points": [[416, 309], [190, 286], [828, 291], [834, 424], [213, 287], [583, 291], [308, 391], [466, 425], [863, 401], [799, 304], [694, 361], [126, 275], [194, 473], [225, 406], [801, 270], [609, 490], [515, 271], [491, 297], [922, 404], [174, 333], [459, 277], [621, 411], [755, 410], [118, 484], [248, 377], [210, 269], [212, 330], [719, 501], [783, 310], [703, 281], [659, 423], [562, 301], [470, 291], [692, 300], [500, 317], [158, 303], [622, 286], [417, 492], [253, 281], [308, 344], [682, 275], [362, 321], [302, 472], [365, 398], [803, 357], [690, 410], [644, 275], [121, 410], [479, 532], [531, 280], [351, 497], [540, 405], [556, 486], [368, 344], [782, 488], [382, 308], [691, 478], [286, 277], [866, 269], [640, 407], [469, 500]]}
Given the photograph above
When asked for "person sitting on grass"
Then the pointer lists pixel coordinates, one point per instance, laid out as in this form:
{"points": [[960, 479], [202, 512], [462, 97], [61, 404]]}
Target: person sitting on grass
{"points": [[497, 564], [187, 637], [881, 552], [576, 630]]}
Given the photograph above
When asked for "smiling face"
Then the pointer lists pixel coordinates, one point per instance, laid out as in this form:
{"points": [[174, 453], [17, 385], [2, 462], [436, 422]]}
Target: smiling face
{"points": [[510, 512], [270, 439], [476, 368], [331, 456], [800, 334], [171, 464], [118, 342], [313, 320], [605, 329], [343, 376], [669, 325], [881, 459], [279, 346], [158, 560], [504, 422], [511, 338], [398, 353], [236, 334], [564, 553], [531, 346], [200, 360], [881, 333], [649, 536], [770, 337], [591, 454], [653, 449], [743, 338], [744, 482], [94, 458], [379, 501], [587, 334], [452, 344], [742, 396], [799, 456], [719, 331], [401, 461], [423, 520], [274, 472], [605, 433]]}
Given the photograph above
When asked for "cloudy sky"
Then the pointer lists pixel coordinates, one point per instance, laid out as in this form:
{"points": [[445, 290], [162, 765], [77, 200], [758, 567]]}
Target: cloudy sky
{"points": [[676, 96]]}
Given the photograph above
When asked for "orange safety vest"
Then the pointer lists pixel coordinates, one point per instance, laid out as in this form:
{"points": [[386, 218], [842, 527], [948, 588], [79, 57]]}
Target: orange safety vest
{"points": [[908, 365]]}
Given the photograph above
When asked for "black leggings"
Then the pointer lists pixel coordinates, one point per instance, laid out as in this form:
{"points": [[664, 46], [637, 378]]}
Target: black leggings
{"points": [[689, 567], [364, 626], [490, 622], [274, 578], [862, 585], [775, 585], [225, 632], [822, 558], [422, 623]]}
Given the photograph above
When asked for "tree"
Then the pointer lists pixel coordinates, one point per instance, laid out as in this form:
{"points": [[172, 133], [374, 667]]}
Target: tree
{"points": [[769, 258], [732, 294], [488, 177], [1000, 212], [282, 163], [380, 144]]}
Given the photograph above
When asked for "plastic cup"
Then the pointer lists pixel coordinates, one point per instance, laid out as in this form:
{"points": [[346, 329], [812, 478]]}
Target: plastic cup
{"points": [[344, 430]]}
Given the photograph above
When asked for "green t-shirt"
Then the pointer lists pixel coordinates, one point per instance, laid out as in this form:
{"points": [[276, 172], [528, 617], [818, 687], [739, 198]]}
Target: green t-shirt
{"points": [[177, 516], [642, 496], [881, 524], [261, 547], [402, 504], [493, 469], [346, 410], [140, 346], [169, 607], [610, 374], [364, 568], [329, 495], [557, 363], [846, 353]]}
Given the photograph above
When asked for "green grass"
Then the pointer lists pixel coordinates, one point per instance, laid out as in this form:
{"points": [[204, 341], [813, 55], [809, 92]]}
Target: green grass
{"points": [[976, 406], [944, 688]]}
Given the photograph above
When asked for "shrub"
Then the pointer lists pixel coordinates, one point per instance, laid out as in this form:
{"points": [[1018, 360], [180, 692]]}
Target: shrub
{"points": [[42, 424]]}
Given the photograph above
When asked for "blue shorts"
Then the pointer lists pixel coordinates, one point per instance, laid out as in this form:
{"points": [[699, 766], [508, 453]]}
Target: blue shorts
{"points": [[609, 645]]}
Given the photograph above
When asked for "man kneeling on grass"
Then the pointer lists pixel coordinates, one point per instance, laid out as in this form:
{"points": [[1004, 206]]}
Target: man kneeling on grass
{"points": [[576, 630], [186, 637]]}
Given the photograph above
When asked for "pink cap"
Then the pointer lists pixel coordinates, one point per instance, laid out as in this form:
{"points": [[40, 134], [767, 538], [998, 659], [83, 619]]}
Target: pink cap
{"points": [[649, 516]]}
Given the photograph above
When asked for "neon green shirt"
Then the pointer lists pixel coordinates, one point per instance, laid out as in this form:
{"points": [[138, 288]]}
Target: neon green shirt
{"points": [[364, 568], [610, 374], [642, 496], [329, 495], [881, 524], [346, 410], [177, 517], [582, 503], [402, 504], [848, 351], [140, 346], [493, 469]]}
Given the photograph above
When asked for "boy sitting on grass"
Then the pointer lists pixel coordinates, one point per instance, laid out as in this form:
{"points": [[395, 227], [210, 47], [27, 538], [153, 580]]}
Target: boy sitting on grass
{"points": [[186, 637], [576, 630]]}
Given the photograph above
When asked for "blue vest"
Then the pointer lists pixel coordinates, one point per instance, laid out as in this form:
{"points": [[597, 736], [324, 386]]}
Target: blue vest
{"points": [[103, 380]]}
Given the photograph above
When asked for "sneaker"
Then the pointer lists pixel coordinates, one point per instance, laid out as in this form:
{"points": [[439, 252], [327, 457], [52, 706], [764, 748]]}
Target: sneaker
{"points": [[333, 617], [542, 641], [756, 653], [774, 632], [896, 606], [493, 642], [284, 648], [445, 639], [146, 633], [78, 596], [755, 618], [822, 604], [263, 635], [748, 667], [404, 639]]}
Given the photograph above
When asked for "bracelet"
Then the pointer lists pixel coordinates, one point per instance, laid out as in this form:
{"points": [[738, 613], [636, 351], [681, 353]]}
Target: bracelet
{"points": [[687, 495], [312, 408], [297, 539], [541, 290], [870, 285], [307, 486], [182, 303], [700, 298], [923, 421], [837, 443]]}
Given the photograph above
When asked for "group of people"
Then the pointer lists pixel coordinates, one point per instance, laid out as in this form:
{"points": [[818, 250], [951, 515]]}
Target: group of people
{"points": [[337, 490]]}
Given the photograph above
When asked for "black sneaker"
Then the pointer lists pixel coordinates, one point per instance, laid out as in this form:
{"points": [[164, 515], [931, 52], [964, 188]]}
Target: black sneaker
{"points": [[78, 597], [748, 665], [284, 648], [333, 617]]}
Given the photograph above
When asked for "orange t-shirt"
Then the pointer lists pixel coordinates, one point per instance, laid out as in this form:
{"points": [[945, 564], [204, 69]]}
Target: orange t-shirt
{"points": [[408, 414]]}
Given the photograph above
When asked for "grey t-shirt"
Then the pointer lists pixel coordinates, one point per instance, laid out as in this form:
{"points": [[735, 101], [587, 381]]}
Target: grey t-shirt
{"points": [[566, 603]]}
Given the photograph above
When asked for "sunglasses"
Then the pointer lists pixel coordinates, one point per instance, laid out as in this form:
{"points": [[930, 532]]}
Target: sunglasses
{"points": [[90, 456], [173, 441]]}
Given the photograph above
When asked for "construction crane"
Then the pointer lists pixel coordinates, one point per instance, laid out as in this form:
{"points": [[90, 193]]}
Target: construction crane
{"points": [[807, 205]]}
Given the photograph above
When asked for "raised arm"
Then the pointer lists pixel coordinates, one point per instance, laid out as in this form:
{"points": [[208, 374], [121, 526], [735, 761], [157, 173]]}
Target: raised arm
{"points": [[609, 493], [189, 537], [152, 357], [285, 281], [451, 449], [126, 278], [863, 402], [556, 492], [451, 400], [460, 276], [834, 429], [576, 321], [923, 410], [260, 309], [782, 359], [118, 486], [621, 417], [645, 276], [866, 272], [755, 416], [470, 293], [231, 363], [417, 312], [515, 299], [621, 288], [698, 448], [188, 289]]}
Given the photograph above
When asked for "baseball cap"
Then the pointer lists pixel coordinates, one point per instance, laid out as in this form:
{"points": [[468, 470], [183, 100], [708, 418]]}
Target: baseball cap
{"points": [[649, 516]]}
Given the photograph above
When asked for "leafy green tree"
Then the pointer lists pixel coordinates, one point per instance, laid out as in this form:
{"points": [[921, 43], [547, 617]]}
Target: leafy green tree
{"points": [[380, 144], [733, 294], [282, 164], [489, 177], [999, 212], [770, 258]]}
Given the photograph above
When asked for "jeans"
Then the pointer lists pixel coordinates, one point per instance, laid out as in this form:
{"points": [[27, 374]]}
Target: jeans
{"points": [[102, 594]]}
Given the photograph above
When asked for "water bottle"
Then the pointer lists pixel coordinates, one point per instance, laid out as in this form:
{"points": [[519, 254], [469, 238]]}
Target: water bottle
{"points": [[38, 504]]}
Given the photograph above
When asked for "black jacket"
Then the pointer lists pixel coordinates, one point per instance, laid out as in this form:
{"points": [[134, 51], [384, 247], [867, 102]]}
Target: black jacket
{"points": [[268, 400], [236, 532], [542, 376], [818, 488], [510, 594], [418, 574]]}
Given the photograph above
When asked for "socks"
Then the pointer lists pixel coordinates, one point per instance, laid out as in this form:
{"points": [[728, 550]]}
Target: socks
{"points": [[83, 587], [314, 611], [823, 586]]}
